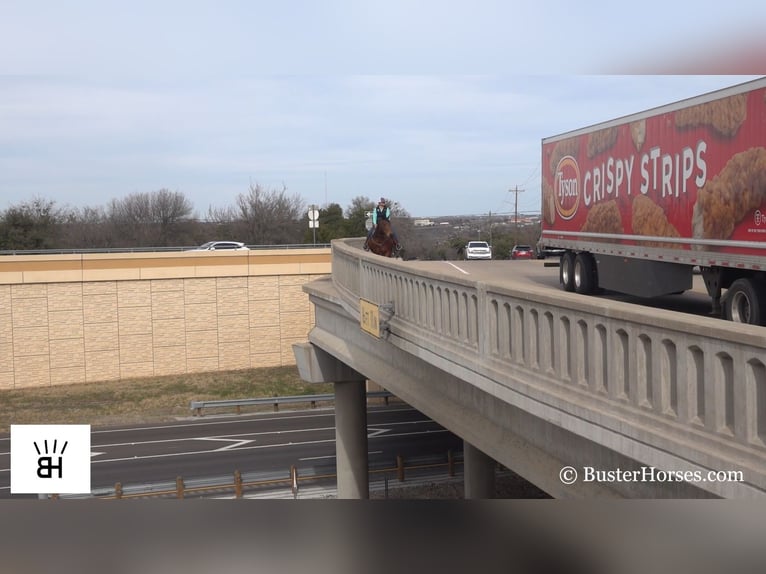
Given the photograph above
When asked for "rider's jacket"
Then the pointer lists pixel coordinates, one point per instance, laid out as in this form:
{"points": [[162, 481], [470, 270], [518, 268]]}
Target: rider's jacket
{"points": [[384, 213]]}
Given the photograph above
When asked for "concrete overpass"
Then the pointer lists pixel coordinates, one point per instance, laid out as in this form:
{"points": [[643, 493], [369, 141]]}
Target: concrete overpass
{"points": [[639, 402]]}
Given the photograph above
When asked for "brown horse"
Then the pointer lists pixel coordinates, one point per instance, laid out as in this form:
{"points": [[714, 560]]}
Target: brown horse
{"points": [[382, 240]]}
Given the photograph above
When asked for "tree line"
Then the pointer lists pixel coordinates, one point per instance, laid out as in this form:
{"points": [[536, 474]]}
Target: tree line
{"points": [[260, 216], [167, 218]]}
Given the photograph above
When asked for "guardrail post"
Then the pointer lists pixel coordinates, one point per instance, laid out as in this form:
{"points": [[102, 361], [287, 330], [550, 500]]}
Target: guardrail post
{"points": [[118, 490], [294, 480], [198, 411], [400, 467], [313, 404], [237, 484], [179, 487], [239, 409], [276, 405], [450, 464]]}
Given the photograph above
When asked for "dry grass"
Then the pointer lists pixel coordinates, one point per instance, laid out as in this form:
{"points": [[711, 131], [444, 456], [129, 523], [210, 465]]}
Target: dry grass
{"points": [[144, 400]]}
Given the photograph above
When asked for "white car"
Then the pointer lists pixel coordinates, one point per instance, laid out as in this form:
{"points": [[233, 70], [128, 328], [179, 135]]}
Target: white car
{"points": [[221, 245], [478, 250]]}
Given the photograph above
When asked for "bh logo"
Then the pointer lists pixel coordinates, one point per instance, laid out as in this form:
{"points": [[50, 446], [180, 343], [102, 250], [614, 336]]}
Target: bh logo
{"points": [[50, 459], [45, 463]]}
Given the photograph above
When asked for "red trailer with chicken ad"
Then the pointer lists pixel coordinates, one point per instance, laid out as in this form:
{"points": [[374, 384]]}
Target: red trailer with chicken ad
{"points": [[639, 202]]}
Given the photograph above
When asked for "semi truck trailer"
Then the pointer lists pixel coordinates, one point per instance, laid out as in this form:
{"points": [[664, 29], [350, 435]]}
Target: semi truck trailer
{"points": [[640, 203]]}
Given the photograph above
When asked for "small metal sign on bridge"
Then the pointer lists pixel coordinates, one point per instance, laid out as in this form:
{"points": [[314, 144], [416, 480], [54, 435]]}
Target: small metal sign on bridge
{"points": [[369, 317]]}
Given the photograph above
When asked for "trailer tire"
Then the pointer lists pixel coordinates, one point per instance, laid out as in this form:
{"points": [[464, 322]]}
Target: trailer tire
{"points": [[585, 282], [566, 271], [746, 302]]}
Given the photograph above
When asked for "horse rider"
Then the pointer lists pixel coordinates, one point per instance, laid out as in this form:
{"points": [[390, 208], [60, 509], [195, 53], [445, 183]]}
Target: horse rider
{"points": [[382, 211]]}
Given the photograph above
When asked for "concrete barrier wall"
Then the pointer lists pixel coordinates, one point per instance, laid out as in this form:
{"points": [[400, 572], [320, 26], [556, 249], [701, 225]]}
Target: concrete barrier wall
{"points": [[95, 317], [691, 386]]}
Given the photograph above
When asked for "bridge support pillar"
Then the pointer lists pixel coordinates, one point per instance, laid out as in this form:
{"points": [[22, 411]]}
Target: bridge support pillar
{"points": [[318, 366], [351, 440], [479, 473]]}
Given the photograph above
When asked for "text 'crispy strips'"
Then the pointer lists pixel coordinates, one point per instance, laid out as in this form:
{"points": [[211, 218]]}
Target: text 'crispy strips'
{"points": [[726, 199], [724, 116]]}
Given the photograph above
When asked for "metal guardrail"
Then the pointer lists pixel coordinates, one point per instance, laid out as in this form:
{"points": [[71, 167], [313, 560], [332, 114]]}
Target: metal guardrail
{"points": [[240, 482], [197, 406]]}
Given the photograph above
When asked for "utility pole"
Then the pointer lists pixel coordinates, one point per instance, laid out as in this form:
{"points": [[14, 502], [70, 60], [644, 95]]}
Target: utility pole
{"points": [[517, 191], [490, 228]]}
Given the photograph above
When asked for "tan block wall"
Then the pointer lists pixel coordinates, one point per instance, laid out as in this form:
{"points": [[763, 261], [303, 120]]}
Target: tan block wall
{"points": [[134, 315]]}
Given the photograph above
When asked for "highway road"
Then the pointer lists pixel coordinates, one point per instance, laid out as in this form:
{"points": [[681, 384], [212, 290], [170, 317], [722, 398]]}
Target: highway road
{"points": [[263, 443], [545, 274]]}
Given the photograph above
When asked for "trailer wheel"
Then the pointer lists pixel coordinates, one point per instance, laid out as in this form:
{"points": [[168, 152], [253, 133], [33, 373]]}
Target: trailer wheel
{"points": [[585, 281], [746, 302], [566, 271]]}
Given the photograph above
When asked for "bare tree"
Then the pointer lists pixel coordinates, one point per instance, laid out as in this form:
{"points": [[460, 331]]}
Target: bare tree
{"points": [[270, 217], [169, 209], [149, 219], [85, 227]]}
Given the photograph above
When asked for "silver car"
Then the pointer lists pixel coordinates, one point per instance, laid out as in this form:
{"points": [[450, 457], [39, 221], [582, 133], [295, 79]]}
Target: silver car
{"points": [[222, 245]]}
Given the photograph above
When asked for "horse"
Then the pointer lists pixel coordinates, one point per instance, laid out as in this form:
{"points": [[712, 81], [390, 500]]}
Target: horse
{"points": [[382, 240]]}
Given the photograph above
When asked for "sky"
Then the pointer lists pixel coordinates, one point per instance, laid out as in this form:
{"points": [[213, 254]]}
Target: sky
{"points": [[440, 106]]}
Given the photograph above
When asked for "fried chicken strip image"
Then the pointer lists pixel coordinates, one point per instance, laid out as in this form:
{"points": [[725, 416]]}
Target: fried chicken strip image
{"points": [[563, 149], [549, 204], [649, 219], [638, 133], [604, 218], [724, 116], [600, 141], [724, 200]]}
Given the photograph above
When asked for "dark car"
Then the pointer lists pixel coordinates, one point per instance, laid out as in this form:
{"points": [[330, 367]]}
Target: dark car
{"points": [[522, 252]]}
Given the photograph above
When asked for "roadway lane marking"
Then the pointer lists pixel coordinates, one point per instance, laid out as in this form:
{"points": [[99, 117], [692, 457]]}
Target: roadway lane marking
{"points": [[256, 433], [169, 440], [254, 447], [212, 421], [333, 456], [235, 442], [463, 271], [376, 432]]}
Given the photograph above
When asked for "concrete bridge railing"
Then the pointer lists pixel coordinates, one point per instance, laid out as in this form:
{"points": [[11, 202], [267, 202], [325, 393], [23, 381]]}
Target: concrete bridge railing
{"points": [[691, 386]]}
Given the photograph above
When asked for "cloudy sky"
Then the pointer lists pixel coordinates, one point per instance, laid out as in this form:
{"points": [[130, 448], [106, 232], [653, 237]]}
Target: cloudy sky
{"points": [[438, 105]]}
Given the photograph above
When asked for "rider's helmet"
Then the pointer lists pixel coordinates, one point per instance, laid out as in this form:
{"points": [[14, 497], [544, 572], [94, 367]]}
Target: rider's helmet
{"points": [[382, 201]]}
